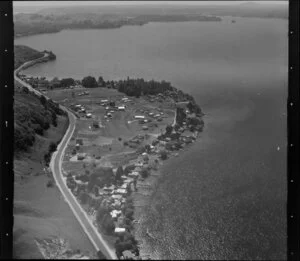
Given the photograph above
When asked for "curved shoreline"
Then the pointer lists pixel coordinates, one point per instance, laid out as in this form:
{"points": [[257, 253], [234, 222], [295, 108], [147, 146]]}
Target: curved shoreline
{"points": [[141, 189]]}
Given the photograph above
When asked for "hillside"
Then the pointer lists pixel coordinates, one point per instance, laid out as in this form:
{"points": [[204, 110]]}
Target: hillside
{"points": [[23, 53], [39, 125]]}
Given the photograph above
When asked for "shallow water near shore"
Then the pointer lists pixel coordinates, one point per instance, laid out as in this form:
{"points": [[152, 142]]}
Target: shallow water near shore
{"points": [[224, 197]]}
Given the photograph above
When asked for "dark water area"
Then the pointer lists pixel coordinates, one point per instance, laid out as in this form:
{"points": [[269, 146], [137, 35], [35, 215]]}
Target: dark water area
{"points": [[224, 197]]}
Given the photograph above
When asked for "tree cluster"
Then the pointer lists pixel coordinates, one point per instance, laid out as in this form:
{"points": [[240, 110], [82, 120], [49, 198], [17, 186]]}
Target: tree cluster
{"points": [[138, 87]]}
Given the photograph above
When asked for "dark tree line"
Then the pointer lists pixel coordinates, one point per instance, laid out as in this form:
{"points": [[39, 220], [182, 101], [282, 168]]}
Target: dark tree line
{"points": [[138, 87]]}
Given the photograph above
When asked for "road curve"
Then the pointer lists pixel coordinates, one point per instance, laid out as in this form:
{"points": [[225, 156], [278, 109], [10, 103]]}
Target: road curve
{"points": [[56, 167]]}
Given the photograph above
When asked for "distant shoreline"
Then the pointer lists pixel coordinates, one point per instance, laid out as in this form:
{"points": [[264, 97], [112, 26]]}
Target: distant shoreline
{"points": [[135, 21]]}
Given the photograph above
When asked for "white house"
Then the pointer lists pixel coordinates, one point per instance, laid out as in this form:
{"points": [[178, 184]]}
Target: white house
{"points": [[133, 174], [139, 117], [89, 115], [121, 108], [120, 230], [115, 213], [116, 197], [121, 191]]}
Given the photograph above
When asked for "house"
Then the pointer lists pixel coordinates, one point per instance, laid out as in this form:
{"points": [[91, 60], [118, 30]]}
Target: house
{"points": [[81, 156], [133, 174], [128, 255], [89, 115], [116, 197], [116, 204], [120, 230], [128, 180], [103, 101], [145, 127], [121, 191], [121, 108], [115, 213], [139, 117], [124, 186]]}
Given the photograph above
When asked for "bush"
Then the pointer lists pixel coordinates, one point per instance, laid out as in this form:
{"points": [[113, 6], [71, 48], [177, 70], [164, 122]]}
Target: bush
{"points": [[52, 147], [129, 213], [50, 184], [145, 173], [25, 90], [163, 155], [108, 224], [23, 138], [89, 82], [119, 173]]}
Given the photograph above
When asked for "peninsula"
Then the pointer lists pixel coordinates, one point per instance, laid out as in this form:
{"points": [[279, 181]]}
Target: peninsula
{"points": [[124, 130]]}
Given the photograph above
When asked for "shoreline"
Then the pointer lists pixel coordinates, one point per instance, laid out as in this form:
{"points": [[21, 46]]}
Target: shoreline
{"points": [[146, 186]]}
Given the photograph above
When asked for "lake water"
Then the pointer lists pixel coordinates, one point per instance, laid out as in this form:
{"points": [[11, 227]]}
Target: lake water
{"points": [[225, 197]]}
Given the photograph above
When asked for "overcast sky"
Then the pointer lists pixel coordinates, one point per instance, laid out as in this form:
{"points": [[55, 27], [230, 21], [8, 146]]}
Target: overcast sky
{"points": [[72, 3]]}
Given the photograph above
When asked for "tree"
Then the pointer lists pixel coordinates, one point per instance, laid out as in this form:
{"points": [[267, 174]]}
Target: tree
{"points": [[144, 173], [101, 82], [129, 213], [43, 100], [101, 211], [108, 224], [169, 129], [89, 82], [52, 147], [163, 155], [67, 82], [119, 173], [134, 184]]}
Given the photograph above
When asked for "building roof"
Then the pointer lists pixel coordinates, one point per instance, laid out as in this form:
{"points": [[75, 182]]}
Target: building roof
{"points": [[120, 229]]}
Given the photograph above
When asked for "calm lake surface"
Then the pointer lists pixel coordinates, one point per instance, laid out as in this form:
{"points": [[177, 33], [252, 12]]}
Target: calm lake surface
{"points": [[225, 197]]}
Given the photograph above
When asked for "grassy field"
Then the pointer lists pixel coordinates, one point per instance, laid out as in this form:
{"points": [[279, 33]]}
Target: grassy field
{"points": [[105, 146]]}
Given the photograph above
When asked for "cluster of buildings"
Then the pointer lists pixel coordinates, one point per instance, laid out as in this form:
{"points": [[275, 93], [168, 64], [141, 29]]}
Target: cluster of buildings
{"points": [[112, 106], [42, 83], [81, 110], [147, 116]]}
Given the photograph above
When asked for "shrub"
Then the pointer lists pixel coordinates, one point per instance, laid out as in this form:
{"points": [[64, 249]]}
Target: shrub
{"points": [[50, 184], [43, 100], [52, 147], [89, 82], [163, 155], [145, 173], [119, 173]]}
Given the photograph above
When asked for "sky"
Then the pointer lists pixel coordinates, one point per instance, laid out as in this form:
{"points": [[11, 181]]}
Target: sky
{"points": [[101, 3]]}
